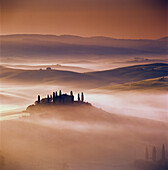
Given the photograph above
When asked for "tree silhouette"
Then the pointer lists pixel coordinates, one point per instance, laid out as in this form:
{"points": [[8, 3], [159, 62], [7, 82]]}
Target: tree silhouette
{"points": [[60, 93], [48, 98], [38, 98], [53, 96], [82, 97], [71, 93], [78, 97], [154, 154], [163, 153]]}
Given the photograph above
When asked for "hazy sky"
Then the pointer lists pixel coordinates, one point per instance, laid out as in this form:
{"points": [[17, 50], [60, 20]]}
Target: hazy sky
{"points": [[114, 18]]}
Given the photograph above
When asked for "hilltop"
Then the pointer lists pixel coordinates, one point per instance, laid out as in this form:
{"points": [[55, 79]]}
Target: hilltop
{"points": [[54, 104], [81, 111]]}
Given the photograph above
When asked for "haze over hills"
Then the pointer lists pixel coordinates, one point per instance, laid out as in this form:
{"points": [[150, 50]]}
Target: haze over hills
{"points": [[159, 84], [83, 85], [133, 73], [82, 137], [74, 46], [44, 66], [85, 80]]}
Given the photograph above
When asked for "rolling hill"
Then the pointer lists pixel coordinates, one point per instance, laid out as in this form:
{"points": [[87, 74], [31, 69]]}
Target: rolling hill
{"points": [[160, 84], [132, 73], [54, 77], [84, 80]]}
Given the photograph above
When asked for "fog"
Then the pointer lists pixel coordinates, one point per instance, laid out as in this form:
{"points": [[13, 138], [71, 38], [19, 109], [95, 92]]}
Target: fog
{"points": [[110, 135], [78, 139], [133, 103], [83, 63], [138, 104]]}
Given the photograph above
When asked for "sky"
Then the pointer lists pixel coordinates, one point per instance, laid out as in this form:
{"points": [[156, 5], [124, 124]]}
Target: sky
{"points": [[124, 19]]}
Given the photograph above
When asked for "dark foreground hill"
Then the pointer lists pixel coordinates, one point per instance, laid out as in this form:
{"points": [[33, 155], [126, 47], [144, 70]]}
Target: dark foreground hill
{"points": [[78, 138], [85, 80], [82, 112], [71, 112]]}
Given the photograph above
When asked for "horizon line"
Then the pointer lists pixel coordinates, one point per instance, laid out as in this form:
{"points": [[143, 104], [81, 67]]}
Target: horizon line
{"points": [[73, 35]]}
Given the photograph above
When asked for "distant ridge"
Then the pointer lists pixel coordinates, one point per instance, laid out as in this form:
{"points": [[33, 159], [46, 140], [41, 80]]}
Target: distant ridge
{"points": [[69, 46], [164, 38], [82, 37]]}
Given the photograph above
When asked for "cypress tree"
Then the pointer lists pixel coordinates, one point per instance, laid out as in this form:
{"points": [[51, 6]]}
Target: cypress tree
{"points": [[163, 153], [154, 154]]}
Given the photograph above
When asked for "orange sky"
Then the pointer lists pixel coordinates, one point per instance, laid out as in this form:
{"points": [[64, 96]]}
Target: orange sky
{"points": [[114, 18]]}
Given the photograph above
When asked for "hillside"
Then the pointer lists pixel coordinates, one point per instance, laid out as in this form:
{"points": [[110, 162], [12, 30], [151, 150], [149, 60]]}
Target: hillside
{"points": [[157, 84], [44, 66], [85, 80], [132, 73], [56, 77], [83, 113], [86, 112]]}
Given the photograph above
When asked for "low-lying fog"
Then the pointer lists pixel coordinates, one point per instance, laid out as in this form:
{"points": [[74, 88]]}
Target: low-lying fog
{"points": [[148, 105], [78, 144], [83, 64], [109, 138]]}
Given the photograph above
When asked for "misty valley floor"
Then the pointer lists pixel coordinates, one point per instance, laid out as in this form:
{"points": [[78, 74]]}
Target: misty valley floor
{"points": [[93, 140]]}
